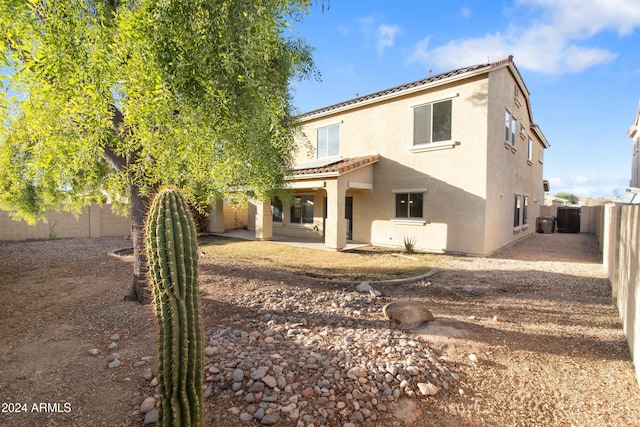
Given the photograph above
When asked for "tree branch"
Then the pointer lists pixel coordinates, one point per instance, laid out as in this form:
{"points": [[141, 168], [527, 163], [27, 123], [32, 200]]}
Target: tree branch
{"points": [[116, 161]]}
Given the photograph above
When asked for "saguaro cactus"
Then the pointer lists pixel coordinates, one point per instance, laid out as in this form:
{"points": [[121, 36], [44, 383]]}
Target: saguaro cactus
{"points": [[173, 269]]}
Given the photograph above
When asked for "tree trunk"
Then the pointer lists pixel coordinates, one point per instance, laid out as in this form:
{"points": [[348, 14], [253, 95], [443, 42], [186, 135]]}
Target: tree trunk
{"points": [[139, 208]]}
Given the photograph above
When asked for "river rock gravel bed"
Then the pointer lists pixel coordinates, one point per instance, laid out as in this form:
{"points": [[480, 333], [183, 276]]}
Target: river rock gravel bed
{"points": [[320, 358]]}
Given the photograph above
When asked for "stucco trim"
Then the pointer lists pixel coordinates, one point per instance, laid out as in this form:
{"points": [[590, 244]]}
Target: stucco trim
{"points": [[359, 185], [407, 221], [432, 146], [434, 100], [409, 190]]}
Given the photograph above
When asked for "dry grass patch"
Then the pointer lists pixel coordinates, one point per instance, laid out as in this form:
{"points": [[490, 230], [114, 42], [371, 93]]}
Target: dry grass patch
{"points": [[351, 266]]}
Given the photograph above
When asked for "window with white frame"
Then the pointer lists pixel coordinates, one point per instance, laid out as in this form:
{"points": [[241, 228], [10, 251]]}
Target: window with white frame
{"points": [[510, 128], [409, 205], [328, 144], [520, 210], [302, 210], [529, 149], [432, 122]]}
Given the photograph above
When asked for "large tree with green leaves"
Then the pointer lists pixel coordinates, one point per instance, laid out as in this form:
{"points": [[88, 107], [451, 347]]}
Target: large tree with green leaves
{"points": [[571, 198], [116, 98]]}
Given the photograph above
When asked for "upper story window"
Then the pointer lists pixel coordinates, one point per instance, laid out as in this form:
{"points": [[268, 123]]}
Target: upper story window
{"points": [[510, 128], [432, 123], [516, 95], [529, 149], [328, 141]]}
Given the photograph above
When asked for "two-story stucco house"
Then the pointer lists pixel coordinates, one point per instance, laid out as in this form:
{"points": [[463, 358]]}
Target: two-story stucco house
{"points": [[452, 162]]}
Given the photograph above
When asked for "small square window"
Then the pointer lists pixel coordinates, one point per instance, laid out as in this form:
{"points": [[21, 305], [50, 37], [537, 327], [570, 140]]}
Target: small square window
{"points": [[409, 205]]}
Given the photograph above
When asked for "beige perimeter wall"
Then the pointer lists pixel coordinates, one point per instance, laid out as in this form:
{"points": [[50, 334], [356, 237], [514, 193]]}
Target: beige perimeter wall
{"points": [[97, 220], [619, 237]]}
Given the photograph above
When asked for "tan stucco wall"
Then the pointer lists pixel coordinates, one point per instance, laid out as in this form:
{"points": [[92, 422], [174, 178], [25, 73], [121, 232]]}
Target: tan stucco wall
{"points": [[509, 173], [235, 217], [468, 203], [619, 237], [97, 220]]}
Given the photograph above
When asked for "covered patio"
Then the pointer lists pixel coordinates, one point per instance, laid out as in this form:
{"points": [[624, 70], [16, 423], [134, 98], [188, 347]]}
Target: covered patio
{"points": [[322, 211]]}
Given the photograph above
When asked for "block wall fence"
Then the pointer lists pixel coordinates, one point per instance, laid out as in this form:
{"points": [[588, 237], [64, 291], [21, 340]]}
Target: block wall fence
{"points": [[618, 234], [97, 220]]}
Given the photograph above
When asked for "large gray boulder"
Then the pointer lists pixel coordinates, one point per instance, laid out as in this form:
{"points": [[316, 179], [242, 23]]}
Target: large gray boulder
{"points": [[407, 313]]}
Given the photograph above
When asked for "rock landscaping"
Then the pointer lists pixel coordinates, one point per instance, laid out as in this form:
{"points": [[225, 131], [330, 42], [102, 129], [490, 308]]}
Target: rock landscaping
{"points": [[318, 358]]}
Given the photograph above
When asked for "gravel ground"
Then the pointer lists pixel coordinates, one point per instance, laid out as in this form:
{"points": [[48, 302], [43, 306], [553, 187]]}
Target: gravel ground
{"points": [[526, 337]]}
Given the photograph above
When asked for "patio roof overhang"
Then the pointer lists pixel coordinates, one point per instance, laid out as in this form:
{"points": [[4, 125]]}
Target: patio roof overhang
{"points": [[315, 174]]}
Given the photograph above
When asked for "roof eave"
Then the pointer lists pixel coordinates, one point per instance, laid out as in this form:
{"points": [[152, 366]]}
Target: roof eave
{"points": [[538, 132], [324, 112], [312, 176]]}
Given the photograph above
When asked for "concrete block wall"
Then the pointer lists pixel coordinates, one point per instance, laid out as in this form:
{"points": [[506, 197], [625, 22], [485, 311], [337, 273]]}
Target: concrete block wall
{"points": [[619, 238], [235, 217], [628, 280], [97, 220]]}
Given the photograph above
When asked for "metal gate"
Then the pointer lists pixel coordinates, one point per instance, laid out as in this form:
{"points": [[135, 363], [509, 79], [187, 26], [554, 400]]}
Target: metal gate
{"points": [[568, 220]]}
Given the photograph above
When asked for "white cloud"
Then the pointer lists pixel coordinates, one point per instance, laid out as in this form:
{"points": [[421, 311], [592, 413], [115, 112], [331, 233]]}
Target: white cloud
{"points": [[584, 18], [386, 37], [366, 24], [420, 53], [553, 38]]}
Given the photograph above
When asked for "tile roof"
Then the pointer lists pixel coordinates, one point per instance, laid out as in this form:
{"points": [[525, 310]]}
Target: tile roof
{"points": [[340, 166], [417, 83]]}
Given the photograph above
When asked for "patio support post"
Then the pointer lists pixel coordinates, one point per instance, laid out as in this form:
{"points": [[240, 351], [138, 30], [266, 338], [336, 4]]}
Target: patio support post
{"points": [[217, 217], [336, 224], [264, 221]]}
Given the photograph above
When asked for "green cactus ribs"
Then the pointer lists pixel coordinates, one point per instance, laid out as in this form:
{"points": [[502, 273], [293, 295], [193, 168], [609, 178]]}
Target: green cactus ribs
{"points": [[173, 272]]}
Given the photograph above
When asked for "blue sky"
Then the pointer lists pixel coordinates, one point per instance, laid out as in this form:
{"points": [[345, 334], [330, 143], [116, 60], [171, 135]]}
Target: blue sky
{"points": [[580, 60]]}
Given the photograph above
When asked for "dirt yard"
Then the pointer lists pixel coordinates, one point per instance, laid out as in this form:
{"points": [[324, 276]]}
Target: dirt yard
{"points": [[530, 333]]}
